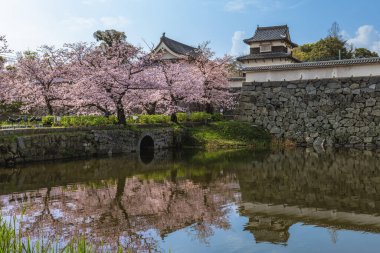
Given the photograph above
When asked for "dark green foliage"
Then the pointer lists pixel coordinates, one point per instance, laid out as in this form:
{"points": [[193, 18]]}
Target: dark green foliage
{"points": [[109, 37], [331, 48], [364, 53], [325, 49]]}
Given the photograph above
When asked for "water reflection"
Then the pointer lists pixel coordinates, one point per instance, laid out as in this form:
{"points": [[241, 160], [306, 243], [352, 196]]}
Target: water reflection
{"points": [[202, 197]]}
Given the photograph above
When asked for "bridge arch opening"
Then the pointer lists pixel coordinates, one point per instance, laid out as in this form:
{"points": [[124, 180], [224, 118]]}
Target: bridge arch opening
{"points": [[147, 149]]}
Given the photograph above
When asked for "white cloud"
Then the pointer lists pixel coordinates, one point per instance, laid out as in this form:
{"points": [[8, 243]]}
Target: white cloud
{"points": [[83, 23], [366, 36], [238, 46], [262, 5], [236, 5], [79, 23], [119, 21]]}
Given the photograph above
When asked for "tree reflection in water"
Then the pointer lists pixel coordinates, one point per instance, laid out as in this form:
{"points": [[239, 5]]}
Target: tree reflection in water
{"points": [[122, 201]]}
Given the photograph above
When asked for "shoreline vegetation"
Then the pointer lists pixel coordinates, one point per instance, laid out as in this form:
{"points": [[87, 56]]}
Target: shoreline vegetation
{"points": [[13, 241], [198, 129]]}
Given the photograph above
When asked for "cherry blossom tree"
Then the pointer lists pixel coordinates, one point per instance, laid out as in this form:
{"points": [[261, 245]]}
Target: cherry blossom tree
{"points": [[40, 79], [179, 86], [3, 49], [145, 101], [213, 73], [108, 72]]}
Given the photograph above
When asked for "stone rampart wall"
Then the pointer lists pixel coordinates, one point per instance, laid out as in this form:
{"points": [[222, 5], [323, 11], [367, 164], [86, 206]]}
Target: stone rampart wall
{"points": [[316, 112]]}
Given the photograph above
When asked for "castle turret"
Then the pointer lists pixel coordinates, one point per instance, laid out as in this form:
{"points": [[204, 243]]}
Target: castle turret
{"points": [[269, 46]]}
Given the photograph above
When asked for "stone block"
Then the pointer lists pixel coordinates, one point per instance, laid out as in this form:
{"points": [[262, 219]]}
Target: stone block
{"points": [[354, 86]]}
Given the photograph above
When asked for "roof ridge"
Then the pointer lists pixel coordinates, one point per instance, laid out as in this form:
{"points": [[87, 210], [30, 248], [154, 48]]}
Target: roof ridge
{"points": [[271, 27], [167, 38]]}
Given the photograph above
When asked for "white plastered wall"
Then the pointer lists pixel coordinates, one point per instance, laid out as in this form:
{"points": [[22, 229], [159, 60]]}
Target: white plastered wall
{"points": [[266, 62], [317, 73]]}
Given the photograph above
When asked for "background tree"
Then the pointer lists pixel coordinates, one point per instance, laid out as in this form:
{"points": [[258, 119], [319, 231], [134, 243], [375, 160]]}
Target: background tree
{"points": [[109, 37], [3, 45], [3, 49], [39, 79], [364, 53], [335, 31], [331, 48]]}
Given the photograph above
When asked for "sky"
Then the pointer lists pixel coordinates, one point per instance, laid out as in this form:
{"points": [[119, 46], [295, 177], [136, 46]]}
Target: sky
{"points": [[28, 24]]}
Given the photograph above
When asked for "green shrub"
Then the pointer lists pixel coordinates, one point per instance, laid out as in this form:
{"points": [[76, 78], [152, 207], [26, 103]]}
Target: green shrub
{"points": [[91, 120], [182, 117], [217, 117], [85, 121], [197, 117], [200, 116], [149, 119], [48, 120]]}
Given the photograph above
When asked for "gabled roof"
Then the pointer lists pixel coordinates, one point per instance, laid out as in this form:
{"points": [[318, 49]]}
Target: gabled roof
{"points": [[267, 56], [177, 47], [314, 65], [271, 33]]}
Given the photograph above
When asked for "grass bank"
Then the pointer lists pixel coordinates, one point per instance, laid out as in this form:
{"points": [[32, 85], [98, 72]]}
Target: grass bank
{"points": [[226, 134]]}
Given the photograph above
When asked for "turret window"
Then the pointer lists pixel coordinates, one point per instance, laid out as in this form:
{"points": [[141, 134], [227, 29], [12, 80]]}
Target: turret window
{"points": [[265, 48]]}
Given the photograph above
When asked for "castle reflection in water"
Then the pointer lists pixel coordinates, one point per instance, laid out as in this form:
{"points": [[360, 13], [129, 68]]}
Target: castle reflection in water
{"points": [[143, 201]]}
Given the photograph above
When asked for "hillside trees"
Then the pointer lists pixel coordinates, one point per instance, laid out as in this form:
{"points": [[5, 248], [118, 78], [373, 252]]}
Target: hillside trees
{"points": [[364, 53], [333, 47]]}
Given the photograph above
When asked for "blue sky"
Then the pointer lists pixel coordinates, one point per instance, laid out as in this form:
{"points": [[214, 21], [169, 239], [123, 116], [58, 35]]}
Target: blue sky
{"points": [[29, 23]]}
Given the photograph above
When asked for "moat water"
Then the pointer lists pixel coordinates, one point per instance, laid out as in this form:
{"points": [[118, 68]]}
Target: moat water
{"points": [[192, 201]]}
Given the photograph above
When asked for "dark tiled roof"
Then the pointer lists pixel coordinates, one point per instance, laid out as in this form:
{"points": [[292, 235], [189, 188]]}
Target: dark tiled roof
{"points": [[267, 56], [271, 33], [178, 47], [313, 65]]}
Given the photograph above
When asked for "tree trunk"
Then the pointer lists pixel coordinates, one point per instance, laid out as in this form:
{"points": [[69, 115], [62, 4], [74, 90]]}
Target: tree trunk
{"points": [[174, 118], [209, 108], [49, 107], [121, 114], [151, 109]]}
